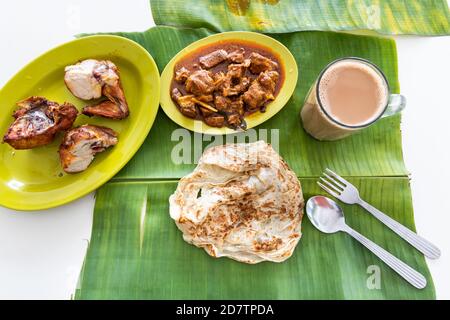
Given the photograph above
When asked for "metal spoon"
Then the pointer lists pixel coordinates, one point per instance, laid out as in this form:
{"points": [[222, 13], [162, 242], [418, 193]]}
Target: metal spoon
{"points": [[328, 217]]}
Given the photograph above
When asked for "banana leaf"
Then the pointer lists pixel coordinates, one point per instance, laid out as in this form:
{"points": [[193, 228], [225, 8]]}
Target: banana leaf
{"points": [[137, 252], [374, 152], [430, 17]]}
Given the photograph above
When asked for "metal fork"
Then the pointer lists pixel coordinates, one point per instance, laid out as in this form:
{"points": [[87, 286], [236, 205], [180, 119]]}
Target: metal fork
{"points": [[343, 190]]}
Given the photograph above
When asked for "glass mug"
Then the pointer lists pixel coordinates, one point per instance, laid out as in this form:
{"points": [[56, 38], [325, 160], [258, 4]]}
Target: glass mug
{"points": [[319, 122]]}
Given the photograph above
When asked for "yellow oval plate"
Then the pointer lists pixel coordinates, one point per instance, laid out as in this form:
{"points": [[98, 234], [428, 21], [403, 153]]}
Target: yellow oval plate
{"points": [[289, 66], [33, 179]]}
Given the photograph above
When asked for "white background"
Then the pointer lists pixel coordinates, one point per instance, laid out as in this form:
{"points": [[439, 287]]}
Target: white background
{"points": [[41, 252]]}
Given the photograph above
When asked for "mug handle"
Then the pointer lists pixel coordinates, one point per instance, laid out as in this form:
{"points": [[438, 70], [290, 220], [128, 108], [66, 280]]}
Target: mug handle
{"points": [[397, 103]]}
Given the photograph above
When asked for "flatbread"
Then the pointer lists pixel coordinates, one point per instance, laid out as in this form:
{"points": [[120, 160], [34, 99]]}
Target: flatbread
{"points": [[242, 202]]}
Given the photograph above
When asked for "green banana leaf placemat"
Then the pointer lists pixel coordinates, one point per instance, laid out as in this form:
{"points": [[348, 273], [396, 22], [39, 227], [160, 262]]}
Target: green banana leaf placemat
{"points": [[429, 17], [137, 252]]}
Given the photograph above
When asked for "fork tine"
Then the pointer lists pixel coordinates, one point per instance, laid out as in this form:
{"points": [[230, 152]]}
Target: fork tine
{"points": [[335, 181], [345, 182], [330, 185], [334, 194]]}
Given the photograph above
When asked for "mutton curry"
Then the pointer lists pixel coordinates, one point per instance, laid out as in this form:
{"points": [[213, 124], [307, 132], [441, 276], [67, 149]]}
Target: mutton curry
{"points": [[223, 83]]}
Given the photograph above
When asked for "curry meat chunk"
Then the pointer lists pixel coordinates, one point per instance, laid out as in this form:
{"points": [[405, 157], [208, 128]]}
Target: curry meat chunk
{"points": [[215, 120], [226, 105], [182, 74], [212, 118], [237, 56], [237, 70], [259, 63], [261, 90], [206, 98], [236, 118], [186, 103], [200, 82], [233, 109], [213, 59], [234, 81]]}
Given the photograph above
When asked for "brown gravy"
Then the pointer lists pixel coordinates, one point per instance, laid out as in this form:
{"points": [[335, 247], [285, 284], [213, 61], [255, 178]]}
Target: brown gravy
{"points": [[191, 62]]}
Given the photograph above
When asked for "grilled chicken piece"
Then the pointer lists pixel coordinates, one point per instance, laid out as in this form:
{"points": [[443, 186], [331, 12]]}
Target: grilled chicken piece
{"points": [[200, 83], [181, 75], [213, 59], [81, 144], [185, 103], [91, 79], [112, 108], [261, 90], [260, 63], [37, 122]]}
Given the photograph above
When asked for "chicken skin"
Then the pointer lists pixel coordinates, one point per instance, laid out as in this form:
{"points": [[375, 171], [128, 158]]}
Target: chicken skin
{"points": [[81, 144], [37, 122], [92, 79]]}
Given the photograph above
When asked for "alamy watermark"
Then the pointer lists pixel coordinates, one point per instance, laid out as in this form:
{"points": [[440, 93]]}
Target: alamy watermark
{"points": [[373, 17], [373, 282], [190, 146]]}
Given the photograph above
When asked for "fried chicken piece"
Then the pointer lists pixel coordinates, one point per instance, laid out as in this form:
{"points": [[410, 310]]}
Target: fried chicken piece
{"points": [[261, 90], [185, 103], [181, 75], [91, 79], [200, 83], [81, 144], [213, 59], [37, 122], [260, 63], [106, 109]]}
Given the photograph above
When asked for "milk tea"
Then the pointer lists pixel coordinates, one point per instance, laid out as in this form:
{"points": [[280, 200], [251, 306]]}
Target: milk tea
{"points": [[348, 96]]}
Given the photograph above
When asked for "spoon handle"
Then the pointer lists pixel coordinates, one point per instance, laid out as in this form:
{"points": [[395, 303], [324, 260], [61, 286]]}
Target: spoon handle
{"points": [[409, 274], [421, 244]]}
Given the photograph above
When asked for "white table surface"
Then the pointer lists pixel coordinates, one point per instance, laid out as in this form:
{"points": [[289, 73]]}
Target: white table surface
{"points": [[41, 252]]}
